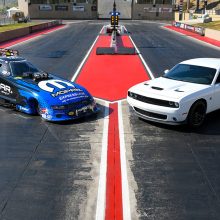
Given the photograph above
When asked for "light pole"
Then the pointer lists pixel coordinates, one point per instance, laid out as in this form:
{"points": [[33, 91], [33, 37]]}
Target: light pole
{"points": [[114, 12], [197, 4]]}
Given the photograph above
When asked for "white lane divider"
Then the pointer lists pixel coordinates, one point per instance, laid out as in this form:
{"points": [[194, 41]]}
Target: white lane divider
{"points": [[124, 176], [101, 198], [143, 61]]}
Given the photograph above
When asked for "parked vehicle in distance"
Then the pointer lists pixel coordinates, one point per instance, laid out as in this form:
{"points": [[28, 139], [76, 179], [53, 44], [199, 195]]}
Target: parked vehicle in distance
{"points": [[184, 94], [19, 17]]}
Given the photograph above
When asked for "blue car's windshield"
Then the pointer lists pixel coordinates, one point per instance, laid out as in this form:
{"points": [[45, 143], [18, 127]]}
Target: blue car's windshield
{"points": [[192, 74], [18, 68]]}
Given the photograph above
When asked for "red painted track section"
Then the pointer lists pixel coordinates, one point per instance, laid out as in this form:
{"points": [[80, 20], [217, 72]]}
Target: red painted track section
{"points": [[114, 209], [28, 37], [196, 36], [109, 77]]}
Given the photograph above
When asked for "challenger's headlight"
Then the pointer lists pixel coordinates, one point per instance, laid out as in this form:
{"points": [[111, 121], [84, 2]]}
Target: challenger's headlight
{"points": [[174, 104], [129, 94], [132, 95], [58, 107]]}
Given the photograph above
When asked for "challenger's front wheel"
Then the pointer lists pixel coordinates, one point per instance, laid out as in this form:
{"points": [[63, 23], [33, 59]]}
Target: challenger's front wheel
{"points": [[197, 114]]}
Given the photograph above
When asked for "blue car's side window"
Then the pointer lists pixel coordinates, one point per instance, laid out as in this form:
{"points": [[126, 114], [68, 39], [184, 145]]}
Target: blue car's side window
{"points": [[1, 68], [4, 70]]}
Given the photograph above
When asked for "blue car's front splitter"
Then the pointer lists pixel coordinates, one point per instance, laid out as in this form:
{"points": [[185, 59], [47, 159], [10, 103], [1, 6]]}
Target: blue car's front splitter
{"points": [[63, 116]]}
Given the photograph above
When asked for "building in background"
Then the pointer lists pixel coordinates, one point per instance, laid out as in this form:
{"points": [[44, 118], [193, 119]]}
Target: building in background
{"points": [[87, 9], [12, 11], [153, 9], [59, 9]]}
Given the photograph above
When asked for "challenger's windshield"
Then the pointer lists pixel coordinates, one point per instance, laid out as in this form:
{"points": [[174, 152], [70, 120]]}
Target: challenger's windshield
{"points": [[18, 68], [192, 74]]}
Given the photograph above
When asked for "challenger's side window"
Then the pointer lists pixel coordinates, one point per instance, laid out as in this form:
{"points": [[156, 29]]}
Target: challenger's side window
{"points": [[218, 79]]}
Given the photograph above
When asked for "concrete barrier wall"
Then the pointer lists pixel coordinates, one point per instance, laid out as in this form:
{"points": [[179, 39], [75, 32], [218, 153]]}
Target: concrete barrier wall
{"points": [[88, 13], [9, 35], [147, 11]]}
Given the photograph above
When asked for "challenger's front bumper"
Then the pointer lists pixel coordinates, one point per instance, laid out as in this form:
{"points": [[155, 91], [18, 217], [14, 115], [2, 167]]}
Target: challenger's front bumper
{"points": [[161, 114]]}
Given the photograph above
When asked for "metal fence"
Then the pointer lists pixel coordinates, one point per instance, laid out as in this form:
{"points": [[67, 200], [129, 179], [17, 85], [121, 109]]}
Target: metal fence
{"points": [[4, 20]]}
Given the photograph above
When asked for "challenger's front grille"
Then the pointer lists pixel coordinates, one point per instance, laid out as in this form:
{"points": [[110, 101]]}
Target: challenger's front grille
{"points": [[152, 101], [150, 114]]}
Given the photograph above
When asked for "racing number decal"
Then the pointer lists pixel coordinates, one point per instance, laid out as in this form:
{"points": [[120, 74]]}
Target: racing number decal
{"points": [[7, 89], [55, 83]]}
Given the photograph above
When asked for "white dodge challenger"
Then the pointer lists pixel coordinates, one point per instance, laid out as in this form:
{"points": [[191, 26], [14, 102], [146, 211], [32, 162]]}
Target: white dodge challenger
{"points": [[184, 94]]}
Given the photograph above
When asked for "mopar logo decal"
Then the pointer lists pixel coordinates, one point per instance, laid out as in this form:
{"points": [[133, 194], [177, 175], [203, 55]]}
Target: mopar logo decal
{"points": [[62, 92], [50, 85], [5, 89]]}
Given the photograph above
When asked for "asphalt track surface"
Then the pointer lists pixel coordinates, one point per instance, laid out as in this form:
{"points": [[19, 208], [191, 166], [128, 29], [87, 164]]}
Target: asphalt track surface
{"points": [[51, 171]]}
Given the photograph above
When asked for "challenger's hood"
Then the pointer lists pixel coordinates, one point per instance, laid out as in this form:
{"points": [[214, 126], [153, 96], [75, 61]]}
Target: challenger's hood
{"points": [[167, 88], [56, 91]]}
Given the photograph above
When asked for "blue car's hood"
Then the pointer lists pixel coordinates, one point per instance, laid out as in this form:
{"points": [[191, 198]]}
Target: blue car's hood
{"points": [[56, 91]]}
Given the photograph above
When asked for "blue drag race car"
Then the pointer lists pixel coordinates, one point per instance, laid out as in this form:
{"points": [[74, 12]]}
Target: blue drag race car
{"points": [[33, 91]]}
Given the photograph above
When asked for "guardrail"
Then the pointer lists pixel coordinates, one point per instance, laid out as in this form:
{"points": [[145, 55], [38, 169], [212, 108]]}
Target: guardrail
{"points": [[44, 26], [197, 30], [9, 35], [5, 21]]}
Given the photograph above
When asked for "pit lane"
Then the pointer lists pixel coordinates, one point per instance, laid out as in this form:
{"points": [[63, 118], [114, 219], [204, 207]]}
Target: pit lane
{"points": [[50, 171]]}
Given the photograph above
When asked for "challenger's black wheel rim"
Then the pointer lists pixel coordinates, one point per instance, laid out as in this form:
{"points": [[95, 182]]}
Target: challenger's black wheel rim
{"points": [[198, 116]]}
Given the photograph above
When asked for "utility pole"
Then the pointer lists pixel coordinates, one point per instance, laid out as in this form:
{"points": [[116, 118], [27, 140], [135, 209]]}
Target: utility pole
{"points": [[197, 5], [188, 5], [114, 11]]}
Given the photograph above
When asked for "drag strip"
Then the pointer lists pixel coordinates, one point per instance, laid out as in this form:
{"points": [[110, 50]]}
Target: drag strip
{"points": [[52, 170], [49, 170], [113, 80], [176, 170]]}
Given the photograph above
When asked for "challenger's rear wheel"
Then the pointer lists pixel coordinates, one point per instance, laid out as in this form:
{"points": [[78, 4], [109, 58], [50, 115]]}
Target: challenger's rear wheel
{"points": [[197, 114]]}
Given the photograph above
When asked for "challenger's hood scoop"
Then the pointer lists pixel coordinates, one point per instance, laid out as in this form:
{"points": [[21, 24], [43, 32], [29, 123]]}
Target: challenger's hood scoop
{"points": [[157, 88]]}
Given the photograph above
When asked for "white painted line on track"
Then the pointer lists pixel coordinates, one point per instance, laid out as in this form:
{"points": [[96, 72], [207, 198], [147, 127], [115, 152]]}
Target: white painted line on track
{"points": [[142, 59], [110, 102], [85, 58], [124, 176], [101, 198]]}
